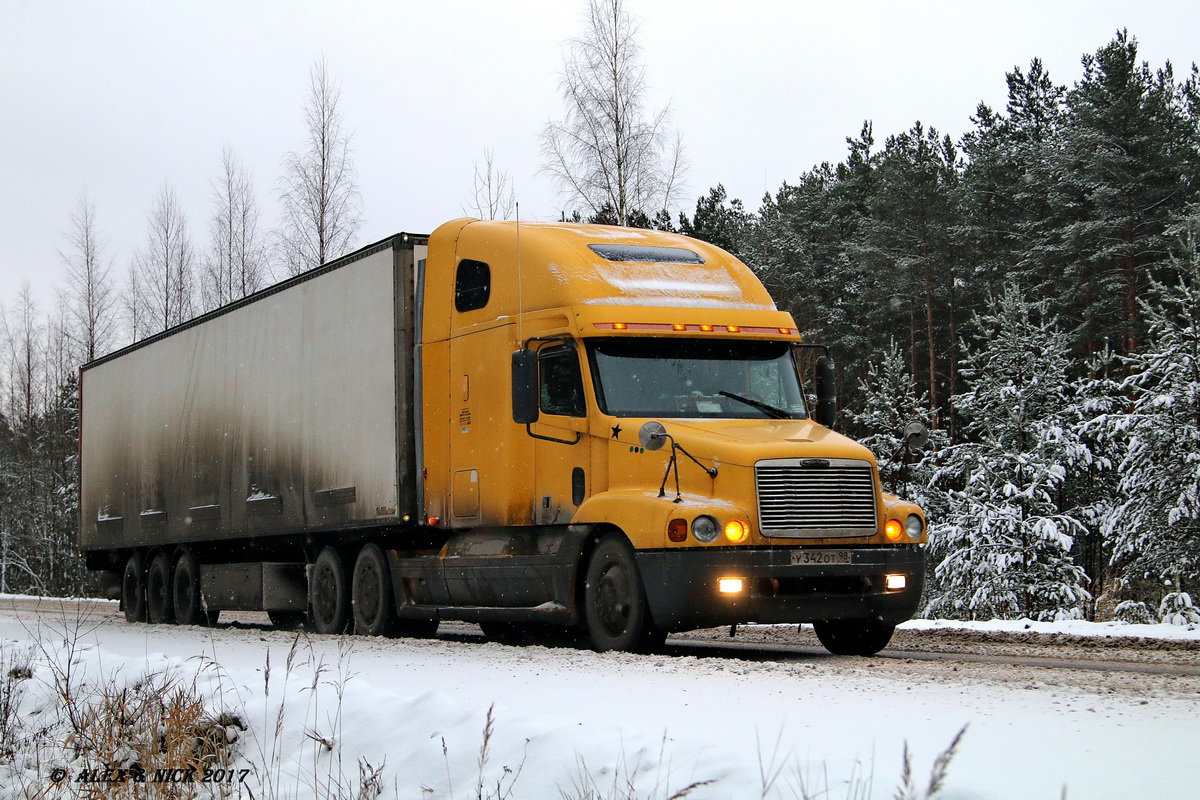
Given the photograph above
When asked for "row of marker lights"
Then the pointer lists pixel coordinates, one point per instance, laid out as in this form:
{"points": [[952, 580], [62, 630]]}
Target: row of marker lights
{"points": [[620, 326]]}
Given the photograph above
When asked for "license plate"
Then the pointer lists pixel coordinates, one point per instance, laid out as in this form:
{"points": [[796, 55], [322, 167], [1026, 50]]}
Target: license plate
{"points": [[807, 557]]}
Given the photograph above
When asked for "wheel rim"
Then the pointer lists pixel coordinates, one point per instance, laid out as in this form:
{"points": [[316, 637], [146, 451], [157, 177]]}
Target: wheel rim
{"points": [[369, 593], [325, 595], [186, 597], [614, 599], [156, 592]]}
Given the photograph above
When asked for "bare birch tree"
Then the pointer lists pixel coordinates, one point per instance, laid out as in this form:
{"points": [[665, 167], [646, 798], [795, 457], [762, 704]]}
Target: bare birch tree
{"points": [[90, 298], [608, 154], [321, 207], [235, 263], [162, 277], [492, 195]]}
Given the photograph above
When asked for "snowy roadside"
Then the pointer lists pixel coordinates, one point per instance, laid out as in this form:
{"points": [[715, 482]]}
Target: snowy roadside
{"points": [[566, 722]]}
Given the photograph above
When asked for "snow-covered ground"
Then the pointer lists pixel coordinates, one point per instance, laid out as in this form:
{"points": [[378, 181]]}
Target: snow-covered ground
{"points": [[565, 720], [1070, 627]]}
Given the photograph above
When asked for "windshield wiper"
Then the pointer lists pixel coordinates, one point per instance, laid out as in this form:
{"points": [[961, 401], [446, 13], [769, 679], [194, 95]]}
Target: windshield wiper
{"points": [[770, 411]]}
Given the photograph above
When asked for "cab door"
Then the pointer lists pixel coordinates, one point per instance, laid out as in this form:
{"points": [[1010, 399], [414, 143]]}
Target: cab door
{"points": [[562, 446]]}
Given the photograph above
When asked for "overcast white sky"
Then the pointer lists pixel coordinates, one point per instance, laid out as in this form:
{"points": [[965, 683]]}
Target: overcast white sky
{"points": [[121, 96]]}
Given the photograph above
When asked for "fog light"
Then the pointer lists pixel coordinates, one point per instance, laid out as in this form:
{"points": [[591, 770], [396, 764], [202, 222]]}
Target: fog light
{"points": [[895, 583], [893, 530], [730, 585], [737, 531]]}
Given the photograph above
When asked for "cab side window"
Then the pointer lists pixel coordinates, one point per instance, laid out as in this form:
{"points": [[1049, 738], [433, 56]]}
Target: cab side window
{"points": [[560, 383], [472, 285]]}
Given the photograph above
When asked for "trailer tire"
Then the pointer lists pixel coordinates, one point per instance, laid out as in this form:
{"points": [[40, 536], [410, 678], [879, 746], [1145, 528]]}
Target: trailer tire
{"points": [[853, 637], [158, 590], [133, 589], [616, 614], [371, 591], [185, 590], [329, 594]]}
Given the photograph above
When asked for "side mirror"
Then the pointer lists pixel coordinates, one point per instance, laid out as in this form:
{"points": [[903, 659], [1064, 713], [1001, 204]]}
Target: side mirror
{"points": [[826, 411], [524, 387], [916, 436]]}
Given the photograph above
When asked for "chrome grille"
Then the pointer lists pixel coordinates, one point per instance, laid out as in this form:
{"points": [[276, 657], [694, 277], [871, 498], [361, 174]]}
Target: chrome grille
{"points": [[815, 498]]}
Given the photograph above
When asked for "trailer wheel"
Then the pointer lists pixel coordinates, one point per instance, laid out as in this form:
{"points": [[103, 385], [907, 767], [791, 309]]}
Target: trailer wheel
{"points": [[615, 610], [133, 589], [853, 637], [158, 590], [372, 593], [189, 605], [329, 593]]}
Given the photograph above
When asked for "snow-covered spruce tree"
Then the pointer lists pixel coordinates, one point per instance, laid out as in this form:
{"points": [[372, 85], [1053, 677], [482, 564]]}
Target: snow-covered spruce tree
{"points": [[1003, 548], [1155, 532], [888, 403]]}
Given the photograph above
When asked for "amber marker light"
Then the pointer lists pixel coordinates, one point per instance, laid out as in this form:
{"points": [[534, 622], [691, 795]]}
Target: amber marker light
{"points": [[895, 583], [677, 530], [732, 328], [620, 326], [730, 585], [785, 331], [893, 530], [706, 328], [678, 327], [737, 531]]}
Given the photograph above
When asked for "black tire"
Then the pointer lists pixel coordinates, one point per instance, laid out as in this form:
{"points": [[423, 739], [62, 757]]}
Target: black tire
{"points": [[371, 591], [854, 637], [158, 590], [615, 611], [133, 589], [287, 620], [185, 591], [329, 594]]}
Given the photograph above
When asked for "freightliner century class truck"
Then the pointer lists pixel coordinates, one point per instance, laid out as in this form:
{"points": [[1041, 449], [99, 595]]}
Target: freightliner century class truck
{"points": [[520, 425]]}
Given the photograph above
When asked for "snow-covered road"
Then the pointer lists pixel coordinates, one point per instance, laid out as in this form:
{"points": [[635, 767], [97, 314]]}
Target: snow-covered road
{"points": [[660, 722]]}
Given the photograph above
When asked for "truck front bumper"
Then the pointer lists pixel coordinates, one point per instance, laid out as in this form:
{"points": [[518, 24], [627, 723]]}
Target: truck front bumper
{"points": [[682, 586]]}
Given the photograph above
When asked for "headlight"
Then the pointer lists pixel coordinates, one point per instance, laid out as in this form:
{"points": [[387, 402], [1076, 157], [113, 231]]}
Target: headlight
{"points": [[914, 526], [705, 529]]}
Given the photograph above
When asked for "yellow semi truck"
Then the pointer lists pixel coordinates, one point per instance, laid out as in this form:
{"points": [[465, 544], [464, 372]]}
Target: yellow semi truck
{"points": [[526, 426]]}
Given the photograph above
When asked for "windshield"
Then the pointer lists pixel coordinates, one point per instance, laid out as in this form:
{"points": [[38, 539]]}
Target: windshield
{"points": [[722, 379]]}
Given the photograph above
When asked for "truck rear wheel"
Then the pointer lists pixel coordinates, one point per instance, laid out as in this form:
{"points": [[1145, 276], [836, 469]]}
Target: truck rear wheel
{"points": [[158, 590], [615, 611], [372, 591], [329, 594], [133, 589], [185, 590], [853, 637]]}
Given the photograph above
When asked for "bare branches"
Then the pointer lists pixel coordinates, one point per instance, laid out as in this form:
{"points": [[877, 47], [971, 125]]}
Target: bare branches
{"points": [[492, 195], [89, 295], [321, 206], [161, 278], [607, 154], [235, 266]]}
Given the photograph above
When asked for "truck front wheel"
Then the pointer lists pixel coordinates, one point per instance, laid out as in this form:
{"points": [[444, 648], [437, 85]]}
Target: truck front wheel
{"points": [[133, 589], [853, 637], [158, 590], [329, 593], [615, 610]]}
